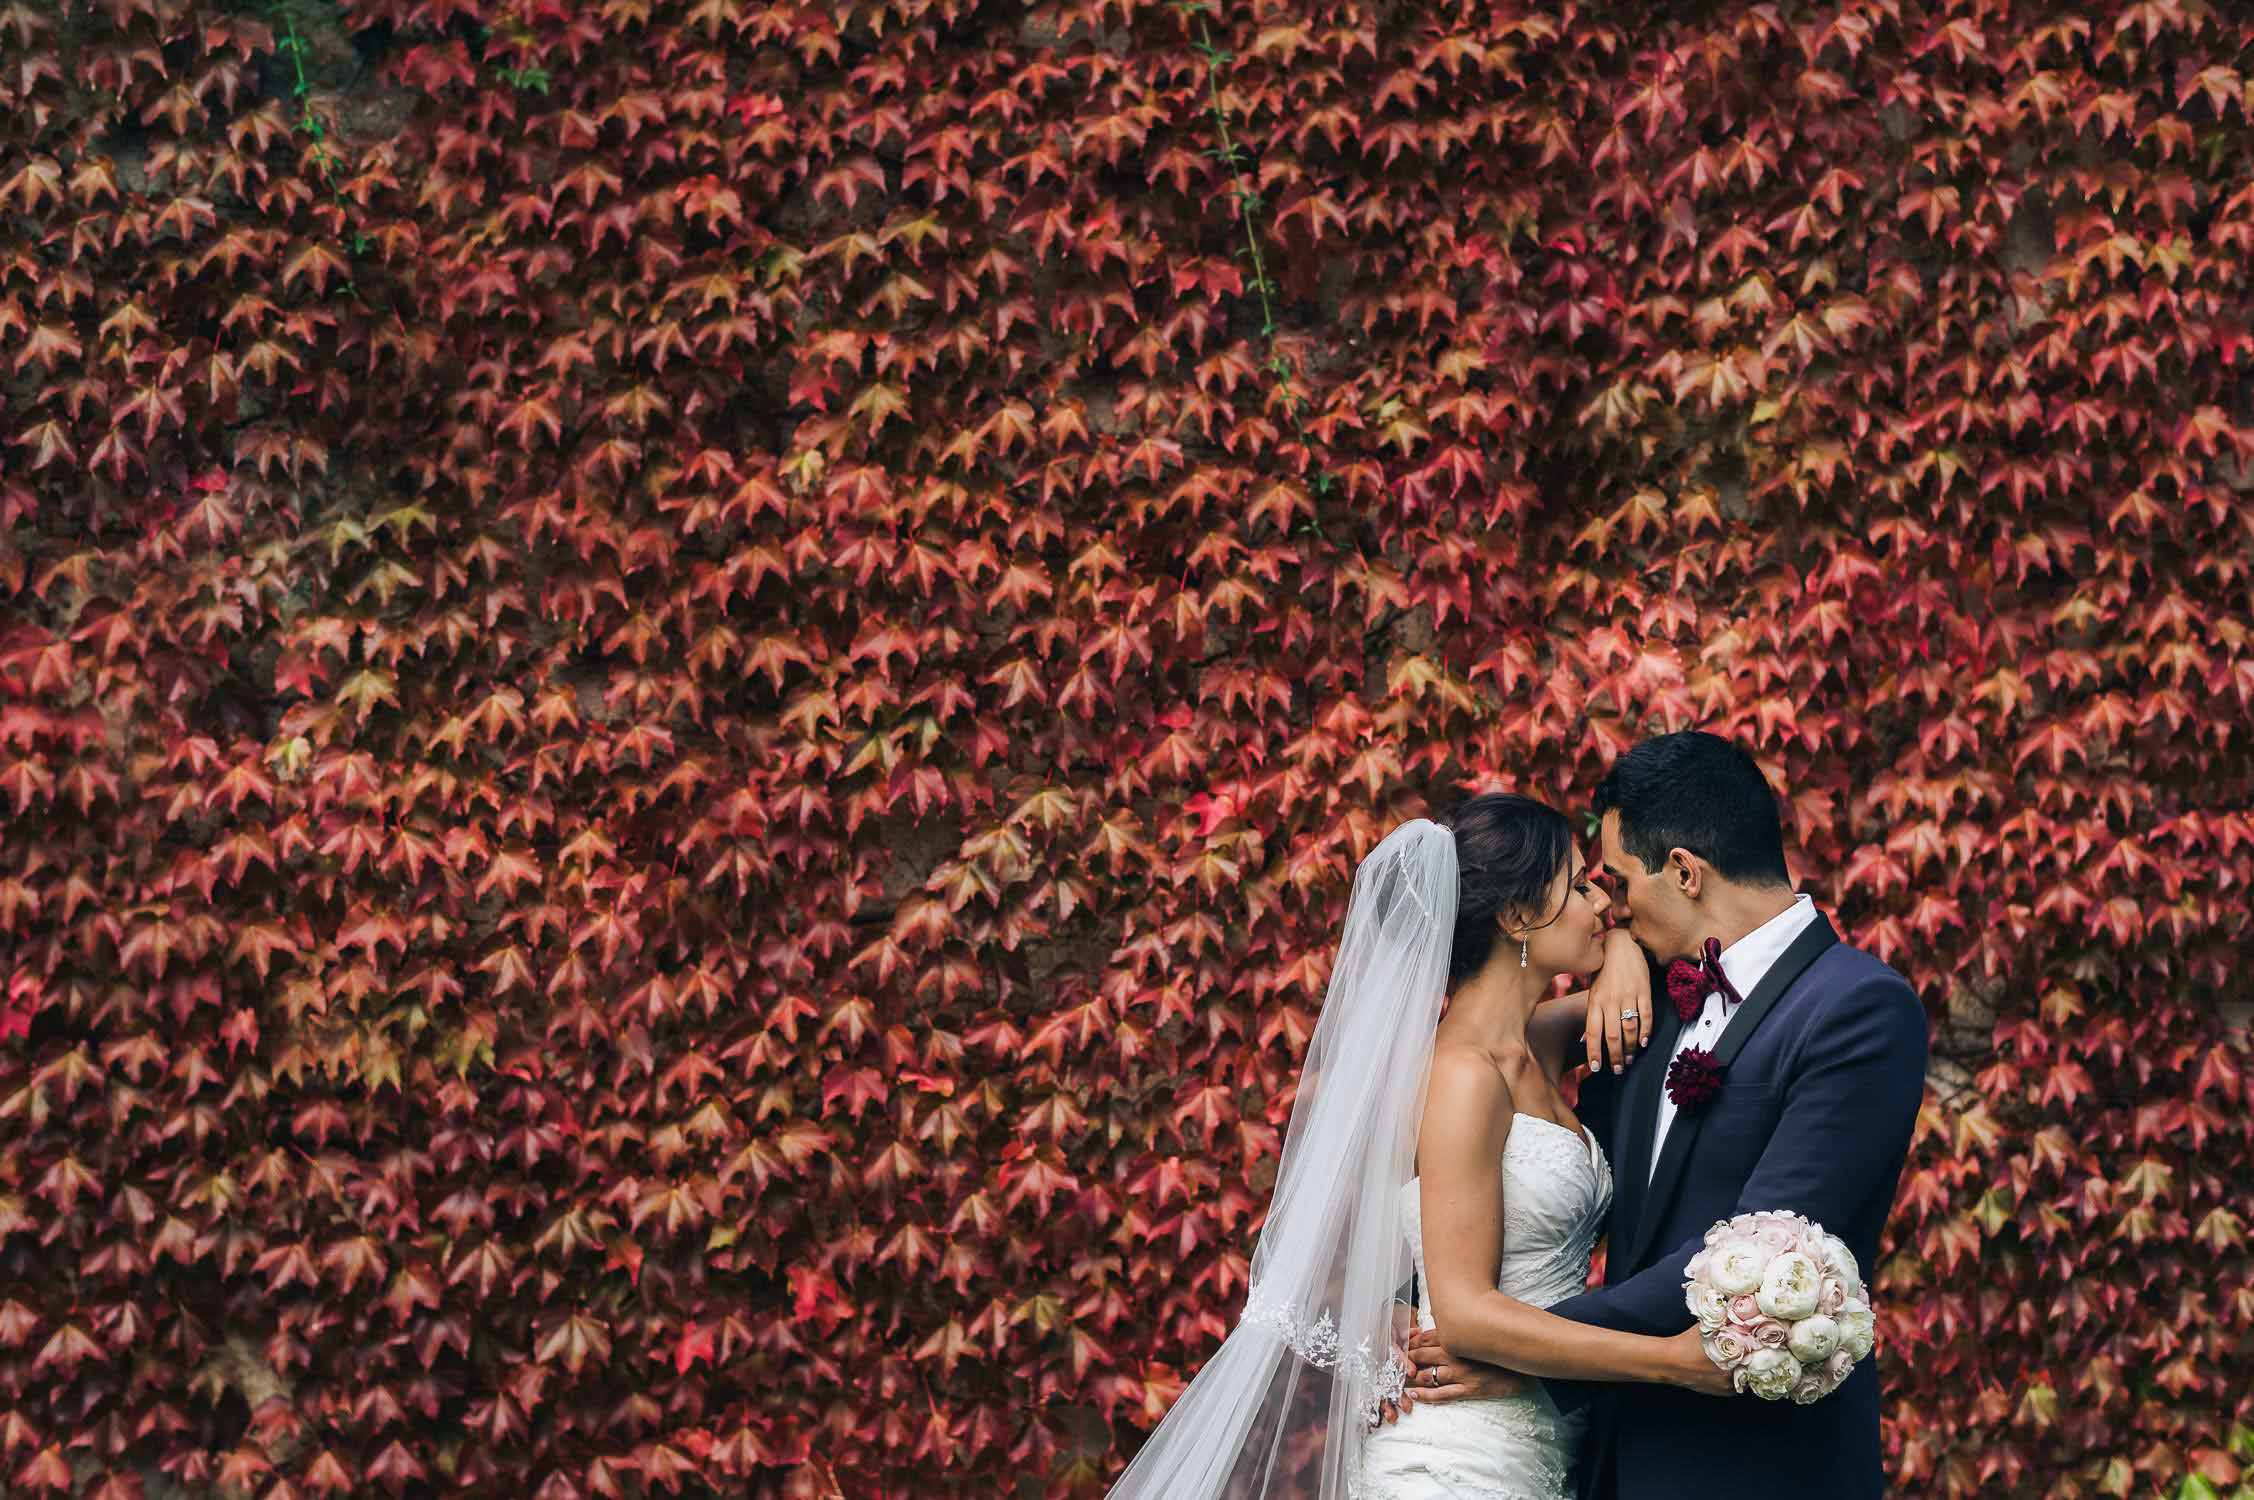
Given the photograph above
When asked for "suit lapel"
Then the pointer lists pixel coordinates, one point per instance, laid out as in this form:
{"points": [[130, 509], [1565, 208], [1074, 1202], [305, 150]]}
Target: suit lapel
{"points": [[1683, 1134]]}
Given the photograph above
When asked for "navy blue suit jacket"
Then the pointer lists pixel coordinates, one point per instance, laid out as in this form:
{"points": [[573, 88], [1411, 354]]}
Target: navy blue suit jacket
{"points": [[1826, 1070]]}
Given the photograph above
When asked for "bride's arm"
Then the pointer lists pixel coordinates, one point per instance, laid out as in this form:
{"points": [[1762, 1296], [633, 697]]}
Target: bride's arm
{"points": [[1554, 1032], [1607, 1024], [1467, 1119]]}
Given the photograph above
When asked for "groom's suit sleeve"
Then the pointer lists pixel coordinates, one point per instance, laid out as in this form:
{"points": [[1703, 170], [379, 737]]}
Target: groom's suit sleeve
{"points": [[1851, 1102]]}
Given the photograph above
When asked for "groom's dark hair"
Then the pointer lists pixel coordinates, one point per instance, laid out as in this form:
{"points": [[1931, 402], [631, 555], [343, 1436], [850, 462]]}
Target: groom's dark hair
{"points": [[1697, 791]]}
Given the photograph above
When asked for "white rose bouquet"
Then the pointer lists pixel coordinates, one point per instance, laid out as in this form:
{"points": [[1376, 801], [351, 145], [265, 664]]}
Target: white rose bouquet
{"points": [[1780, 1304]]}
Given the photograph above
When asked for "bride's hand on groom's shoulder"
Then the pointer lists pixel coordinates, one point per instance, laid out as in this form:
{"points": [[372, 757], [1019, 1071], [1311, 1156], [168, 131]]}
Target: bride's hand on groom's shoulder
{"points": [[1618, 1023]]}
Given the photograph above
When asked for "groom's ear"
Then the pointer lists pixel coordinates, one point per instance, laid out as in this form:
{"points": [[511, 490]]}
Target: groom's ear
{"points": [[1686, 872]]}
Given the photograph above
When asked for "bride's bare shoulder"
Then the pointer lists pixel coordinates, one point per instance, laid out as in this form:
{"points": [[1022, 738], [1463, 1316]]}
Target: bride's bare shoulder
{"points": [[1467, 1115], [1467, 1077]]}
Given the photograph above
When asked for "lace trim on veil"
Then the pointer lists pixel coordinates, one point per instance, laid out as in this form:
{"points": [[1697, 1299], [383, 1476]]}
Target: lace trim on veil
{"points": [[1374, 1381]]}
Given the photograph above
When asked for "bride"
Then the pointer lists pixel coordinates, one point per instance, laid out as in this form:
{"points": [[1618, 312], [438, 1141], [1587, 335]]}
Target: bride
{"points": [[1430, 1135]]}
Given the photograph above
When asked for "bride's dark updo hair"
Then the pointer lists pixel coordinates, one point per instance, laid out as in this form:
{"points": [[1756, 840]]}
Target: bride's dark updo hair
{"points": [[1508, 852]]}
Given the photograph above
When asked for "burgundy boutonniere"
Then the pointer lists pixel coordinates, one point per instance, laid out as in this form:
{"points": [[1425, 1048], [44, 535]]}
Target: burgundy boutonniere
{"points": [[1692, 1078]]}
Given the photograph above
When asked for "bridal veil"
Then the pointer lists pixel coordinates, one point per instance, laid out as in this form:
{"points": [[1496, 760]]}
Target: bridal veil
{"points": [[1284, 1406]]}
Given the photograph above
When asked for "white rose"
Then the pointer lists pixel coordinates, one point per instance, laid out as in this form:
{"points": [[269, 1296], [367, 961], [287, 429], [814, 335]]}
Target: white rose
{"points": [[1857, 1328], [1790, 1286], [1709, 1306], [1839, 1261], [1737, 1266], [1813, 1339], [1771, 1374]]}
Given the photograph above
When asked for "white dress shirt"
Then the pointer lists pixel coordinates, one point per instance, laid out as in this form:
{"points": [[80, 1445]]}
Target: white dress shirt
{"points": [[1745, 962]]}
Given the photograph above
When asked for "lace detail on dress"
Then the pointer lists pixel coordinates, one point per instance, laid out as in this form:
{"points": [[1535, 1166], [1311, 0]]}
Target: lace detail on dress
{"points": [[1374, 1379], [1533, 1431], [1539, 1476], [1557, 1188], [1516, 1448]]}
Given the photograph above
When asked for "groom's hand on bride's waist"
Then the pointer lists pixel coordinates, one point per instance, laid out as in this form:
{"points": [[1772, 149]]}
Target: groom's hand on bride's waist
{"points": [[1438, 1376]]}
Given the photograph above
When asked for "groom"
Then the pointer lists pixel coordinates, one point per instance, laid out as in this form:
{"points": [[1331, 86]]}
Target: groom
{"points": [[1822, 1056]]}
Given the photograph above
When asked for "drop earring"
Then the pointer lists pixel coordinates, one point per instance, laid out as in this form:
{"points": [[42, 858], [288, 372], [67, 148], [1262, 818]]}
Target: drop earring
{"points": [[1522, 953]]}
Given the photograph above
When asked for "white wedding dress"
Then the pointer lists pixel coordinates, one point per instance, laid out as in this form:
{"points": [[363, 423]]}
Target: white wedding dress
{"points": [[1557, 1188]]}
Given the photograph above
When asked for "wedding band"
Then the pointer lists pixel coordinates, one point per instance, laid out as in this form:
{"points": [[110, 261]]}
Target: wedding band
{"points": [[1627, 1015], [1432, 1376]]}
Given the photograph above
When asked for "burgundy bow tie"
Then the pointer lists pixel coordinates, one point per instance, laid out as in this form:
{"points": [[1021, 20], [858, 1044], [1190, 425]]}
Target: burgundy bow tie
{"points": [[1690, 981]]}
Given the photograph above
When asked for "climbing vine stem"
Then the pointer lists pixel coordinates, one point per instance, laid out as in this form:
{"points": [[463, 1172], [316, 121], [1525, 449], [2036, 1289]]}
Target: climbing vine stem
{"points": [[301, 89], [1249, 202]]}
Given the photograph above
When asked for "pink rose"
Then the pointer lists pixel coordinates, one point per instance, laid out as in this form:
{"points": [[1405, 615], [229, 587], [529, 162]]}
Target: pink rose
{"points": [[1832, 1297], [1728, 1348], [1778, 1238], [1768, 1333], [1838, 1367], [1746, 1308], [1809, 1389]]}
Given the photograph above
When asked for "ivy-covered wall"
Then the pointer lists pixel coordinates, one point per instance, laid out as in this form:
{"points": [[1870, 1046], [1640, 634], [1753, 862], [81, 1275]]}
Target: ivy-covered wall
{"points": [[687, 686]]}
